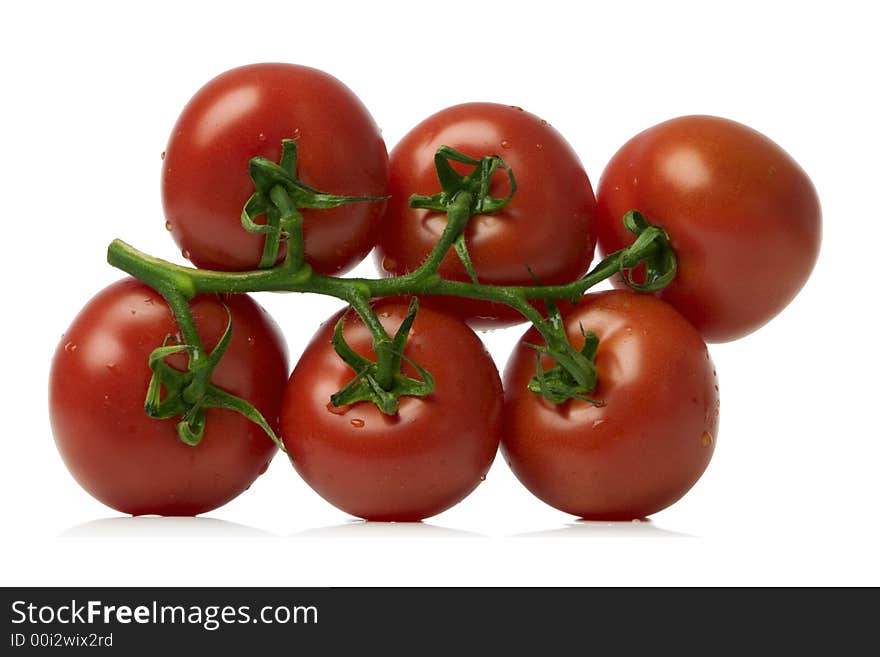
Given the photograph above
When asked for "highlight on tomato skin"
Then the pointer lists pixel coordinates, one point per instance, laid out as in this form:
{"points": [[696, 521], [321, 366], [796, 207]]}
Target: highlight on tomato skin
{"points": [[412, 465], [546, 229], [246, 112], [743, 217], [132, 462], [655, 431]]}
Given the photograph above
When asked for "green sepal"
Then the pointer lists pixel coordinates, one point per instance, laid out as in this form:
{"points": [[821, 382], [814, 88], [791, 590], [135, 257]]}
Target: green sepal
{"points": [[168, 378], [223, 343], [191, 427], [351, 358], [465, 257], [217, 398]]}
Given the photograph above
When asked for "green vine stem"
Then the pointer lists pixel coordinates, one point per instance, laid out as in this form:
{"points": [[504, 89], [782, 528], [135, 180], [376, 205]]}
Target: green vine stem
{"points": [[162, 274], [279, 196]]}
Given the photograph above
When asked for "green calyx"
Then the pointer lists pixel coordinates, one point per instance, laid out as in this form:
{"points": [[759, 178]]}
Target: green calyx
{"points": [[368, 383], [574, 375], [187, 395], [279, 195], [475, 185]]}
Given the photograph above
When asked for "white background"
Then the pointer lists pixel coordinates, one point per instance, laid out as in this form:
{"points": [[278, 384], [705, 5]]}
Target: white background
{"points": [[90, 93]]}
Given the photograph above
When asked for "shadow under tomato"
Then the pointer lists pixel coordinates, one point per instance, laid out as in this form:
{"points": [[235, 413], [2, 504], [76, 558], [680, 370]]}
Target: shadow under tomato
{"points": [[368, 529], [606, 529], [152, 527]]}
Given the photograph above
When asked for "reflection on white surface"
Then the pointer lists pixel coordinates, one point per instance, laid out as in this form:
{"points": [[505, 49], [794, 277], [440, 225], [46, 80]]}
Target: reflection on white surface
{"points": [[364, 529], [154, 527], [160, 527], [596, 529]]}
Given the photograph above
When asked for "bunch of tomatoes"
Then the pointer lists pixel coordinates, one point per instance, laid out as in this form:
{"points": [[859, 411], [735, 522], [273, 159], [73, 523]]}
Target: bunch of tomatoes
{"points": [[740, 215]]}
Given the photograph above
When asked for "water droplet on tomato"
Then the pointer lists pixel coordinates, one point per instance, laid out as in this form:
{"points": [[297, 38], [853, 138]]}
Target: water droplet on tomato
{"points": [[70, 347], [517, 108], [251, 340], [543, 122], [168, 225], [296, 133], [357, 423], [706, 439], [483, 477], [163, 155], [261, 136], [505, 143], [336, 410], [111, 367], [389, 264], [185, 254], [540, 147], [149, 301]]}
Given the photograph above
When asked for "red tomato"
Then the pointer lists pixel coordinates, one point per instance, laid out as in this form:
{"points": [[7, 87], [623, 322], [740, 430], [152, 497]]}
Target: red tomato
{"points": [[547, 226], [409, 466], [246, 112], [743, 217], [653, 437], [97, 387]]}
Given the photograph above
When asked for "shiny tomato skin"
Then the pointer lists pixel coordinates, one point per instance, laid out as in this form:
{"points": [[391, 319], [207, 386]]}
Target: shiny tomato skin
{"points": [[654, 436], [246, 112], [406, 467], [743, 217], [547, 226], [136, 464]]}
